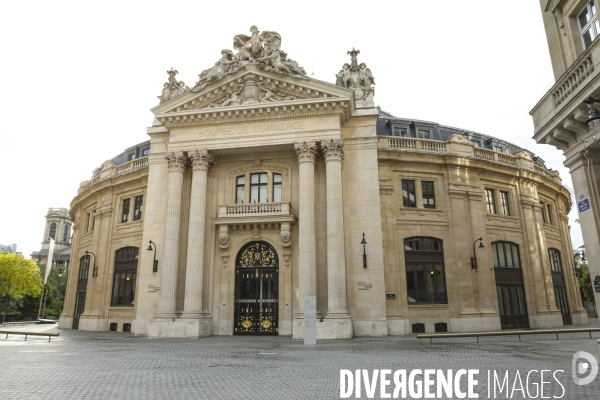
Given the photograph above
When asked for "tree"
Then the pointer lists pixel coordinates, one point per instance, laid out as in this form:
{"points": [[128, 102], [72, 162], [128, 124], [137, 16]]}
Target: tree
{"points": [[585, 282], [18, 277]]}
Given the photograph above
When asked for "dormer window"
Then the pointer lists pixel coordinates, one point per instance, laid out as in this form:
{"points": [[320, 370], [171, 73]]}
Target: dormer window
{"points": [[401, 131], [588, 24], [424, 134]]}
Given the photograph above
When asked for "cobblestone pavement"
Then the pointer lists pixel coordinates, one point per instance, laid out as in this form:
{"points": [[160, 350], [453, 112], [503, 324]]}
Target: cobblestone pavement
{"points": [[108, 365]]}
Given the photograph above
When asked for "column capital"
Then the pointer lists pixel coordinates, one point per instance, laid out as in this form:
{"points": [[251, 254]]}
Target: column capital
{"points": [[201, 159], [333, 149], [175, 160], [306, 151]]}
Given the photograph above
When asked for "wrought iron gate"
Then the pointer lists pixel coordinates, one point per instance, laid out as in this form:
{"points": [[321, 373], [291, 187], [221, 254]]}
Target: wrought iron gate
{"points": [[257, 290]]}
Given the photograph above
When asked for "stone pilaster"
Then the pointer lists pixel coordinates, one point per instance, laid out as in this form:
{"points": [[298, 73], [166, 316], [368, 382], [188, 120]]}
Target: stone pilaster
{"points": [[193, 307], [333, 151], [176, 165], [307, 259]]}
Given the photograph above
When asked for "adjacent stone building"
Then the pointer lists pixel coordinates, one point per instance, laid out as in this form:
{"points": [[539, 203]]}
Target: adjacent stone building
{"points": [[262, 186], [567, 118], [58, 226]]}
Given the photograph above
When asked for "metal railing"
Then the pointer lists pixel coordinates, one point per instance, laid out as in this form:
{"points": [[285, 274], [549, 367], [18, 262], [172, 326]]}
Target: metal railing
{"points": [[432, 336], [50, 335], [19, 323]]}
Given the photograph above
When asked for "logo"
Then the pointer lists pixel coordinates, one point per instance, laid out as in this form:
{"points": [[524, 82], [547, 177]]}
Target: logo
{"points": [[581, 368]]}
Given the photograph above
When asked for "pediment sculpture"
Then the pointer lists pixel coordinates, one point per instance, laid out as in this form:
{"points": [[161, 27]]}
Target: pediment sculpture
{"points": [[251, 90], [172, 88], [357, 77], [262, 49]]}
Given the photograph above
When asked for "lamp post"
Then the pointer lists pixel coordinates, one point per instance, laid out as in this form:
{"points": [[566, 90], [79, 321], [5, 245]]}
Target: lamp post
{"points": [[364, 242], [95, 269], [579, 255], [474, 258], [155, 262]]}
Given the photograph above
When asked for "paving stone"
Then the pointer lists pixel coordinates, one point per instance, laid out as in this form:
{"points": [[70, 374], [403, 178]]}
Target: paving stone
{"points": [[109, 365]]}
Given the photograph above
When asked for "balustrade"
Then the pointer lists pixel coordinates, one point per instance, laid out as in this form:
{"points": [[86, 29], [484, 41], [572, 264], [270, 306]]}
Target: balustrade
{"points": [[254, 209]]}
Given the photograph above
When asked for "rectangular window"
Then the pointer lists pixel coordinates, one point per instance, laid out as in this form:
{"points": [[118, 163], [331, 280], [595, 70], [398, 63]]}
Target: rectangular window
{"points": [[550, 215], [425, 283], [544, 218], [93, 220], [145, 152], [408, 193], [276, 187], [125, 213], [130, 156], [397, 131], [499, 149], [123, 288], [504, 203], [423, 134], [137, 208], [87, 222], [428, 195], [588, 24], [258, 188], [476, 143], [240, 187], [490, 201]]}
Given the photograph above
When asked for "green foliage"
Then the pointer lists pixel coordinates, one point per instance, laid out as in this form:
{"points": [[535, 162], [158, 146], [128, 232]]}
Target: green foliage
{"points": [[585, 282], [18, 277]]}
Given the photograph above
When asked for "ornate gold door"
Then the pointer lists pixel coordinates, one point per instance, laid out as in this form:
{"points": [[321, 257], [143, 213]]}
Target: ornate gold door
{"points": [[257, 290]]}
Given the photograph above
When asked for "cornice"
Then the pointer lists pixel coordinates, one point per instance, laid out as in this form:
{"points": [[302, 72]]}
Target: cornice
{"points": [[257, 112]]}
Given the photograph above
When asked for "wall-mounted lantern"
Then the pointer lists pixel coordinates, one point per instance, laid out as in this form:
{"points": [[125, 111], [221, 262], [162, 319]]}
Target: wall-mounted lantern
{"points": [[155, 262]]}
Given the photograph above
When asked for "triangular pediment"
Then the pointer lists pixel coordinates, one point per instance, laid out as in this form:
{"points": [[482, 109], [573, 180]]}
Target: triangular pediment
{"points": [[252, 87]]}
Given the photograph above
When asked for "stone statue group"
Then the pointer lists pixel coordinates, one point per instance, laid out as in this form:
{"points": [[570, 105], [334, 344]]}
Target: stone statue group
{"points": [[263, 49]]}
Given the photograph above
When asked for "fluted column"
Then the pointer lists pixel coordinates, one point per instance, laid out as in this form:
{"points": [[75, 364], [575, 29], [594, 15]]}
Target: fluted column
{"points": [[307, 242], [168, 291], [194, 273], [333, 151]]}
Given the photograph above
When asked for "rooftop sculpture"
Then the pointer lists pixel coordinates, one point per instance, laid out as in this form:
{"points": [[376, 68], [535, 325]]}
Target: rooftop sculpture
{"points": [[172, 88], [357, 77], [262, 49]]}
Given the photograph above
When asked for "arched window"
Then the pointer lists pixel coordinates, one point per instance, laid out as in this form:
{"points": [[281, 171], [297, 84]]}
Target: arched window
{"points": [[66, 233], [52, 232], [506, 255], [126, 260], [555, 264], [84, 267], [425, 275]]}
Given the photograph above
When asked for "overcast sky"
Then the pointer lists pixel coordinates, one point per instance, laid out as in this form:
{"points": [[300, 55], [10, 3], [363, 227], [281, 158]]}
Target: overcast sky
{"points": [[80, 77]]}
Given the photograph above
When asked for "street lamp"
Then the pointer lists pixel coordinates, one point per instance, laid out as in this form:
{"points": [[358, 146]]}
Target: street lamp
{"points": [[95, 269], [364, 242], [155, 263], [474, 258], [594, 115], [578, 255]]}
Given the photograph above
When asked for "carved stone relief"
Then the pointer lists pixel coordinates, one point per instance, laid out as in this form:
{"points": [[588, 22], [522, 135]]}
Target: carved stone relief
{"points": [[357, 77]]}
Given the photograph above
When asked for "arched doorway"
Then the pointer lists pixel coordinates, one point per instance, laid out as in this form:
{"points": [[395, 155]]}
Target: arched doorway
{"points": [[257, 290]]}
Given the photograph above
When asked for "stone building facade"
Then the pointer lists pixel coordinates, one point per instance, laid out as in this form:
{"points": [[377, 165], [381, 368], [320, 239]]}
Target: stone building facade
{"points": [[263, 186], [566, 117]]}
